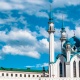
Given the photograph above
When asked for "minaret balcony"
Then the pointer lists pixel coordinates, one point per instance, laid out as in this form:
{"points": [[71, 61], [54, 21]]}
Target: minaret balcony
{"points": [[63, 38], [49, 31]]}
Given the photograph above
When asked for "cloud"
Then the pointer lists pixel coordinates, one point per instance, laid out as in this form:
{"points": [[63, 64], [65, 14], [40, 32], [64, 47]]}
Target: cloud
{"points": [[42, 65], [42, 31], [42, 14], [35, 2], [30, 66], [36, 7], [8, 20], [23, 42], [59, 16], [20, 42], [39, 65], [64, 3], [77, 23], [6, 7], [16, 51]]}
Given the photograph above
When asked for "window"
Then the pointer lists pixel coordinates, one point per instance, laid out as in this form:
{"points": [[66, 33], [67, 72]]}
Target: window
{"points": [[50, 28], [60, 69], [24, 75], [74, 69], [37, 75], [7, 74], [28, 75], [79, 68], [2, 74], [20, 75], [15, 75], [33, 75], [11, 74]]}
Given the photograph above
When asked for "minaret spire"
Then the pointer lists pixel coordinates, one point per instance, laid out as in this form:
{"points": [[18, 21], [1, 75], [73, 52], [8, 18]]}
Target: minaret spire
{"points": [[50, 14], [51, 31], [63, 23], [51, 24], [74, 32]]}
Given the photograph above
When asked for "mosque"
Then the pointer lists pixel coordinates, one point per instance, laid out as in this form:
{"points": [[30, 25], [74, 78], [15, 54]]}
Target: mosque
{"points": [[66, 65]]}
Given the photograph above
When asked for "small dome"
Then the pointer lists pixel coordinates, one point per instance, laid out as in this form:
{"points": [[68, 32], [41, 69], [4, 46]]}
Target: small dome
{"points": [[66, 43]]}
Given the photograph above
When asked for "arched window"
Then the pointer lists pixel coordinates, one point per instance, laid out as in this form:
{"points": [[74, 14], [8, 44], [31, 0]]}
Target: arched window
{"points": [[60, 69], [74, 69], [33, 75], [50, 28], [24, 75], [15, 75], [20, 75], [11, 75], [2, 74], [7, 74], [79, 68]]}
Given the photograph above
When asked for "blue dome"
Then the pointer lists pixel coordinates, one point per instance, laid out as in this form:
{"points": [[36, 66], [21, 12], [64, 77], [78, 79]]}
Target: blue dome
{"points": [[77, 41], [73, 41]]}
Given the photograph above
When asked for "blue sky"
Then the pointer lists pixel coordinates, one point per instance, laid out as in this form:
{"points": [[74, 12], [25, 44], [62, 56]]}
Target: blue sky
{"points": [[23, 30]]}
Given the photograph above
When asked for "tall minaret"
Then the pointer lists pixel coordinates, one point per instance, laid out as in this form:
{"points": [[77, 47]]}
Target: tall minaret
{"points": [[51, 31], [63, 34]]}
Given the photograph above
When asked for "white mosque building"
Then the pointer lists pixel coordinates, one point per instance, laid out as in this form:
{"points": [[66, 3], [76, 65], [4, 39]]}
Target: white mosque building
{"points": [[66, 66]]}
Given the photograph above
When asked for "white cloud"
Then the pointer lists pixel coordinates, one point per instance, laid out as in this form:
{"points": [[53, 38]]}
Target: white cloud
{"points": [[36, 1], [6, 7], [42, 31], [20, 42], [42, 65], [45, 43], [64, 3], [35, 7], [59, 16], [30, 66], [21, 50], [77, 31], [42, 14], [39, 65], [23, 42]]}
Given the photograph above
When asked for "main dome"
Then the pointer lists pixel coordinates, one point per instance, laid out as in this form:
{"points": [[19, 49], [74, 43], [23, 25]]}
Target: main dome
{"points": [[77, 41], [73, 41]]}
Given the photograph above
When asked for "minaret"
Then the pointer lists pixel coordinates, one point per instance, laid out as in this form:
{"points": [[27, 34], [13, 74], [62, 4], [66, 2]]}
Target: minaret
{"points": [[63, 34], [51, 31]]}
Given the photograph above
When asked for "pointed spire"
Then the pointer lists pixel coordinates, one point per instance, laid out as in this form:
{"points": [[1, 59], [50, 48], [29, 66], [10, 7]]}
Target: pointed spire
{"points": [[74, 32], [63, 29], [62, 22], [50, 14]]}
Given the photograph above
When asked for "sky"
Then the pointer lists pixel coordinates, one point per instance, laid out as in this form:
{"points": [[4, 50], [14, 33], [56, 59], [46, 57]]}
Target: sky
{"points": [[24, 40]]}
